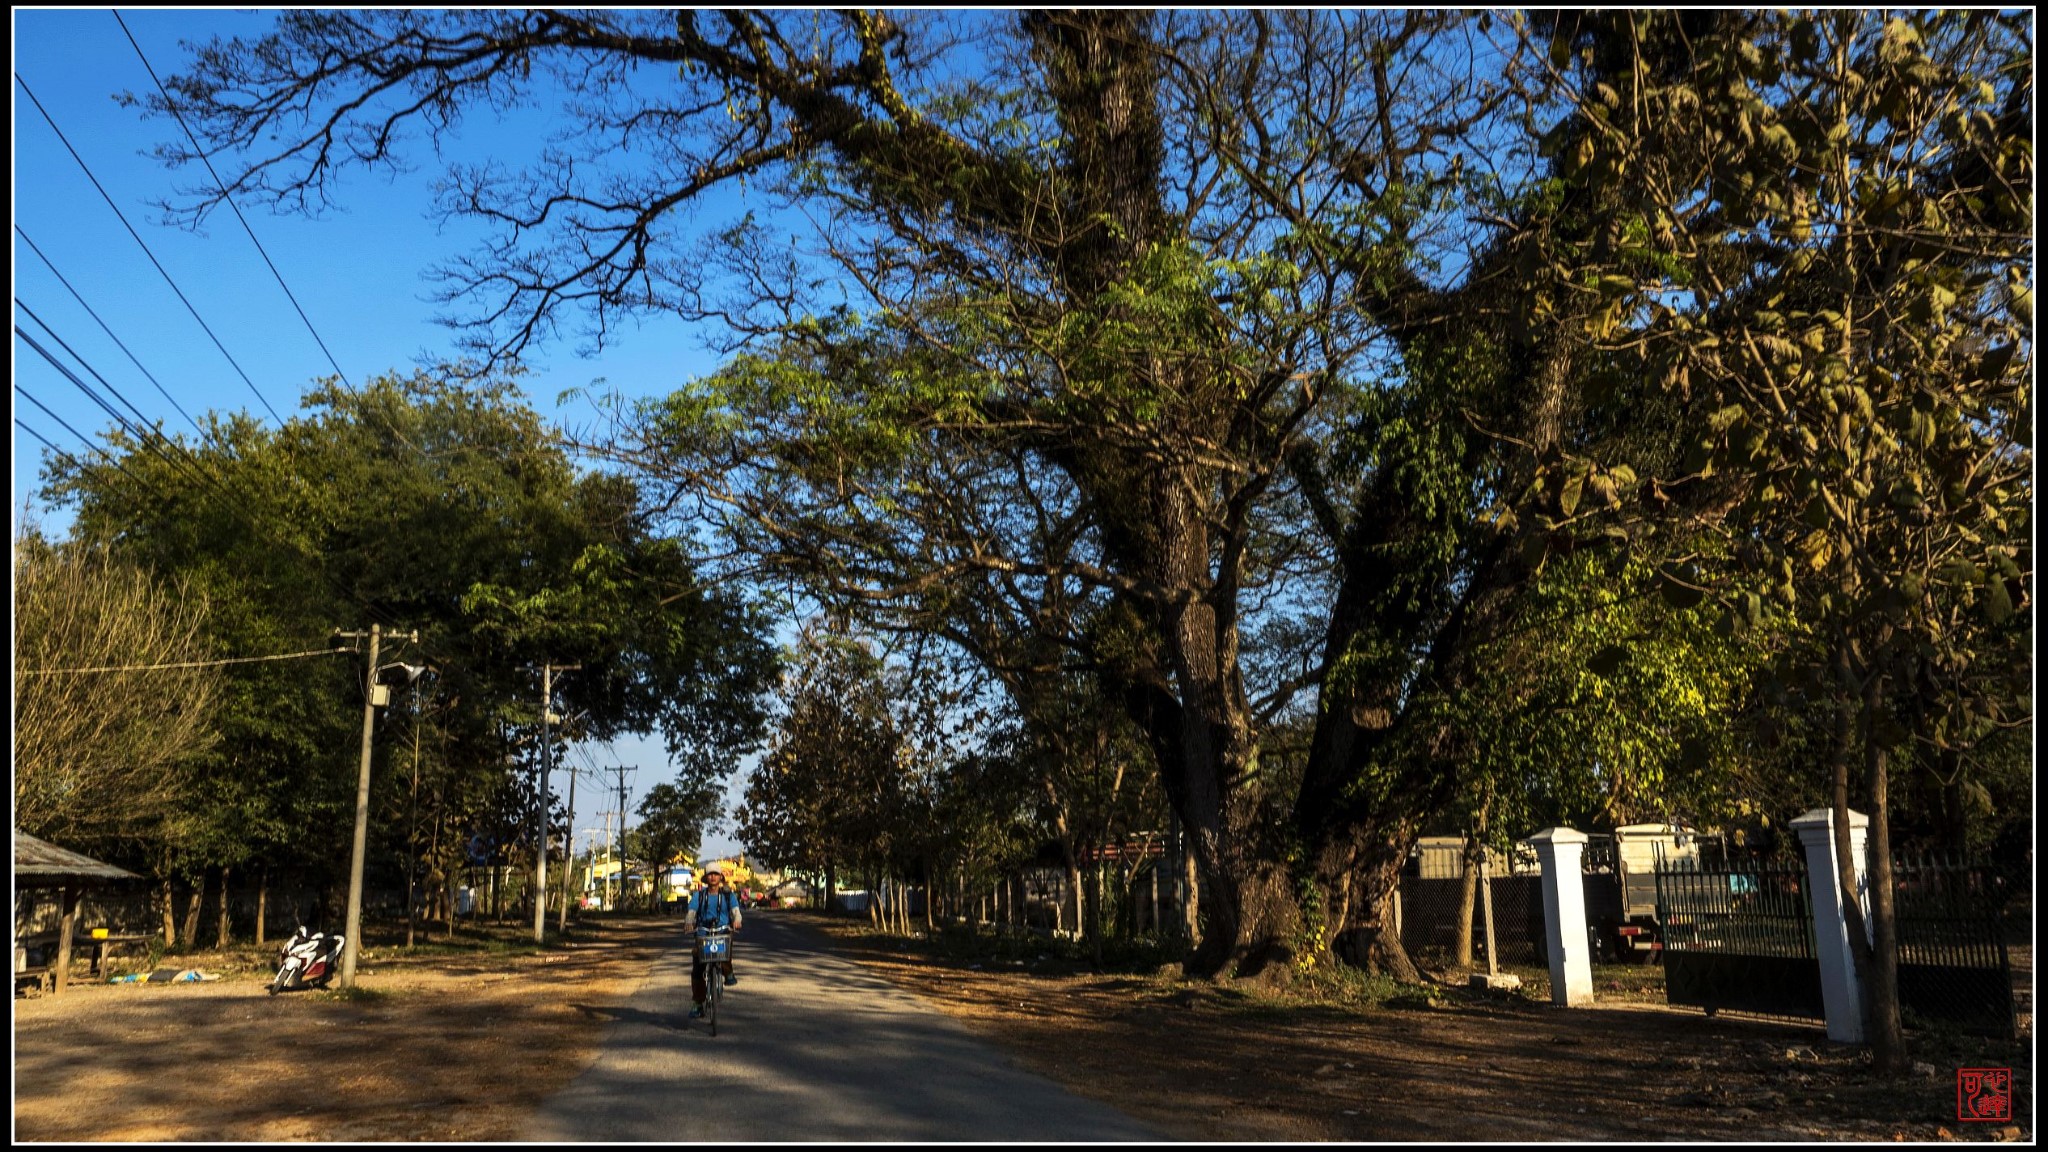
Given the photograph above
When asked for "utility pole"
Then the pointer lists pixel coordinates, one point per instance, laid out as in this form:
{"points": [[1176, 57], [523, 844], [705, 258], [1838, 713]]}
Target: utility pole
{"points": [[590, 839], [568, 853], [412, 822], [622, 833], [609, 857], [374, 696], [540, 820]]}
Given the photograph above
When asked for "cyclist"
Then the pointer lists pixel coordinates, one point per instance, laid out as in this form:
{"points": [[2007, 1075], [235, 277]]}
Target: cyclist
{"points": [[711, 907]]}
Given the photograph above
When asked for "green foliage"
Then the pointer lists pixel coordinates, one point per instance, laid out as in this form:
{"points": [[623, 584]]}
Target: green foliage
{"points": [[1608, 706], [673, 821], [1303, 354], [1856, 233], [418, 503]]}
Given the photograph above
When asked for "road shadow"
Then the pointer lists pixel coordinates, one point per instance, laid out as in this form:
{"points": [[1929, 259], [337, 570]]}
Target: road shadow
{"points": [[677, 1020]]}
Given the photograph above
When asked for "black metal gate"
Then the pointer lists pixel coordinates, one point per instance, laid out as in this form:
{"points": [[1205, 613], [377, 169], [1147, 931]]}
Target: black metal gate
{"points": [[1953, 965], [1739, 938]]}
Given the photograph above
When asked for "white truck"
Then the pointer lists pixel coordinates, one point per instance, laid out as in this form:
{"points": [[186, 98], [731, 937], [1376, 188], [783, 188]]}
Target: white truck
{"points": [[1621, 886]]}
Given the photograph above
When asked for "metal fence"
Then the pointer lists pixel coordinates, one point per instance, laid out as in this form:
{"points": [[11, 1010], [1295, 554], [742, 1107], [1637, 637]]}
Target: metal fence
{"points": [[1430, 920], [1739, 939], [1954, 919]]}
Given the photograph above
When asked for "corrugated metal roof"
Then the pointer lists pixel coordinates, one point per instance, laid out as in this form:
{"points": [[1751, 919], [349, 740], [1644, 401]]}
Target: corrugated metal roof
{"points": [[41, 860]]}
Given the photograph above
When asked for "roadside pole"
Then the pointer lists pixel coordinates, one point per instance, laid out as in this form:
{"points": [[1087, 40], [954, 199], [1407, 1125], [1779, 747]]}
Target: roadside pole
{"points": [[374, 696], [355, 860], [540, 820], [568, 853], [622, 832]]}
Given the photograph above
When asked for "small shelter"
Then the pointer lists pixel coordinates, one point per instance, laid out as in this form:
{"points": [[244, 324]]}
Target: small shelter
{"points": [[41, 865]]}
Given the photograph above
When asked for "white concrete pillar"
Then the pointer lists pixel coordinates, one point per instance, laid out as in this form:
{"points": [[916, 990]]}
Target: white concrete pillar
{"points": [[1841, 995], [1564, 915]]}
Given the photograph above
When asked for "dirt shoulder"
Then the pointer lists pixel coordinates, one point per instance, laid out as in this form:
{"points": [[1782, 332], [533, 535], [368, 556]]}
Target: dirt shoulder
{"points": [[453, 1043], [1210, 1063], [459, 1043]]}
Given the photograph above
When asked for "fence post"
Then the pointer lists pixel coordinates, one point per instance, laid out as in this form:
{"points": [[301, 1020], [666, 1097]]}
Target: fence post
{"points": [[1841, 995], [1564, 915]]}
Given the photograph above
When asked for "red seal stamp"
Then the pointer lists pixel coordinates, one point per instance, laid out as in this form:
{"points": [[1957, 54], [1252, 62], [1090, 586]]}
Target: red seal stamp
{"points": [[1984, 1094]]}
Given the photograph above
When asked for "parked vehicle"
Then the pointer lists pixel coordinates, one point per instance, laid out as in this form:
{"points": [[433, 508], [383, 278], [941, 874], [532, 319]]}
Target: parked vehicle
{"points": [[1621, 887], [308, 960]]}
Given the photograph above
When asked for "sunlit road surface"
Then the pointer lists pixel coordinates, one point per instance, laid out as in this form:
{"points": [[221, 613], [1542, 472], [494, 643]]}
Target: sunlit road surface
{"points": [[810, 1047]]}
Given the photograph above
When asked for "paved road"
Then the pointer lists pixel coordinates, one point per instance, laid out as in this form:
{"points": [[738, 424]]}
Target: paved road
{"points": [[810, 1047]]}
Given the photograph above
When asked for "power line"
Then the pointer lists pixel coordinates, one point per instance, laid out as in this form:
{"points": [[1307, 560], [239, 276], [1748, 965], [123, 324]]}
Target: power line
{"points": [[142, 420], [150, 439], [235, 508], [24, 426], [51, 121], [87, 441], [48, 263], [75, 461], [192, 467], [238, 501], [197, 151], [188, 663]]}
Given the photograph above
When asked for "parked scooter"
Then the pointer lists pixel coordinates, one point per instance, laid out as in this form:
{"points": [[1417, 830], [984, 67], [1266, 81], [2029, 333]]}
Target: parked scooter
{"points": [[307, 960]]}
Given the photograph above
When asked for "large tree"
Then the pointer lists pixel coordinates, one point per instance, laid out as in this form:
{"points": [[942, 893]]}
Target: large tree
{"points": [[1134, 247], [1236, 354]]}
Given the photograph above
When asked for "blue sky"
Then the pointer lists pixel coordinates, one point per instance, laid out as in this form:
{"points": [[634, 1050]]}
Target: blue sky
{"points": [[357, 272]]}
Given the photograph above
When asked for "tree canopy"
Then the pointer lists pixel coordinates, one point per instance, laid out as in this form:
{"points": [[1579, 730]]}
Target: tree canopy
{"points": [[1280, 370], [418, 503]]}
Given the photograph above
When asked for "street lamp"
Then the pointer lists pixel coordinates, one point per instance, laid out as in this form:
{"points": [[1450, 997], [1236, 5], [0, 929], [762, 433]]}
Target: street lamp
{"points": [[375, 696]]}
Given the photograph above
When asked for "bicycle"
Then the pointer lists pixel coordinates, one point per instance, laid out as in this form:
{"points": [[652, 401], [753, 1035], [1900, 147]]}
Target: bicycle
{"points": [[714, 947]]}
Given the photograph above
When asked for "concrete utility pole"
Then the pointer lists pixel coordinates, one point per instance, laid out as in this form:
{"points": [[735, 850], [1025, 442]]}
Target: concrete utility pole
{"points": [[540, 820], [568, 853], [622, 769], [610, 855], [375, 695]]}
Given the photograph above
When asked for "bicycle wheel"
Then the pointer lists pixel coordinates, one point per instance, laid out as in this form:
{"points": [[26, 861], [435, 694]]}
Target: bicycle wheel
{"points": [[717, 991]]}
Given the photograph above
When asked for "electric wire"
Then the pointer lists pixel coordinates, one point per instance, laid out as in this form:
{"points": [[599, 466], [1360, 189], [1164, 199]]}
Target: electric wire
{"points": [[24, 426], [250, 231], [82, 437], [51, 265], [221, 663], [236, 505], [236, 509], [87, 441], [141, 419], [239, 501], [152, 438], [52, 122]]}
